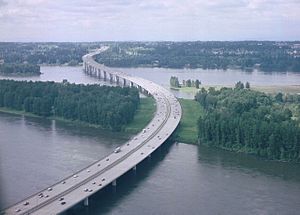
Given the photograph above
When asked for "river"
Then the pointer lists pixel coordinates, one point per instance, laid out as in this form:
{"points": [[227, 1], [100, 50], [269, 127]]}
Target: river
{"points": [[179, 179]]}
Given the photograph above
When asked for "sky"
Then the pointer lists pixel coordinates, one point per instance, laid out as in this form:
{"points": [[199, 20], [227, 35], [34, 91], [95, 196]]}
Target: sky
{"points": [[148, 20]]}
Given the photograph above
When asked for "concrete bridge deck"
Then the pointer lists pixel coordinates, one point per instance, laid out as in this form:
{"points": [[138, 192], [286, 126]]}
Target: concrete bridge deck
{"points": [[84, 183]]}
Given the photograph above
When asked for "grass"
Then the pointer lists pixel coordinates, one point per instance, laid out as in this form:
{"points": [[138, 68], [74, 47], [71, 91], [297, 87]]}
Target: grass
{"points": [[193, 90], [18, 112], [290, 89], [272, 89], [142, 117], [187, 129]]}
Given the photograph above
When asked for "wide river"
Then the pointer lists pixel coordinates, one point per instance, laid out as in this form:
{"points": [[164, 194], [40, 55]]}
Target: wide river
{"points": [[179, 179]]}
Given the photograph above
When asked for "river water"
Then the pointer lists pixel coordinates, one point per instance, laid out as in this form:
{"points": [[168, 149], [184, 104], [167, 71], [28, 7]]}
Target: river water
{"points": [[179, 179]]}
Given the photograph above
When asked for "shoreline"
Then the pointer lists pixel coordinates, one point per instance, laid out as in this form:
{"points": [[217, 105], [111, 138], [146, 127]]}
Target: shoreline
{"points": [[269, 89], [142, 117]]}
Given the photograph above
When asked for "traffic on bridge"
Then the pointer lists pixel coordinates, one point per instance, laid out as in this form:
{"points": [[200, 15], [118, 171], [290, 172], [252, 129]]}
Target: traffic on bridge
{"points": [[86, 182]]}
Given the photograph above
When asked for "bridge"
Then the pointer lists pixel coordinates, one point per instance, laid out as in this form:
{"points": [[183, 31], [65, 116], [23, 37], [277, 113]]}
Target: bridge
{"points": [[86, 182]]}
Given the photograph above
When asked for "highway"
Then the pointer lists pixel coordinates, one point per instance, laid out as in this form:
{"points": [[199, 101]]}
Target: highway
{"points": [[84, 183]]}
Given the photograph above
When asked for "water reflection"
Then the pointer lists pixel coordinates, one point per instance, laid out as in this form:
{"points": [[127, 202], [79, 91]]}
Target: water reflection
{"points": [[249, 164], [187, 179], [36, 153]]}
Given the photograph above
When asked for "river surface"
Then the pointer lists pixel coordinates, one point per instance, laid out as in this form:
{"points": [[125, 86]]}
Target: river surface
{"points": [[179, 179], [162, 76]]}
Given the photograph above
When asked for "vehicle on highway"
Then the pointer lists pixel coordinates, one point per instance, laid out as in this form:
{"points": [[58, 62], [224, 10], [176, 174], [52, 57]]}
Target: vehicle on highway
{"points": [[117, 150]]}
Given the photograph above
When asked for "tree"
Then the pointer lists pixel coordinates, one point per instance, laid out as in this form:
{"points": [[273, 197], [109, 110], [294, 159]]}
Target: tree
{"points": [[279, 97], [188, 83], [239, 85], [197, 83], [247, 86]]}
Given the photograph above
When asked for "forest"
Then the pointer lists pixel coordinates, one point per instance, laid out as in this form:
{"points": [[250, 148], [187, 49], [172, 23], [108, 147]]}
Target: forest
{"points": [[49, 53], [108, 107], [19, 69], [244, 120], [269, 56]]}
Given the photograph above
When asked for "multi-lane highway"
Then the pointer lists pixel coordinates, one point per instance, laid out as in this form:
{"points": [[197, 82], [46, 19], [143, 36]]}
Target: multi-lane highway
{"points": [[84, 183]]}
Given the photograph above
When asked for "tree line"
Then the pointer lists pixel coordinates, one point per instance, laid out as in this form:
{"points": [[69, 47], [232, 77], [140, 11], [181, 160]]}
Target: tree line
{"points": [[249, 121], [264, 55], [23, 69], [174, 82], [268, 56], [109, 107]]}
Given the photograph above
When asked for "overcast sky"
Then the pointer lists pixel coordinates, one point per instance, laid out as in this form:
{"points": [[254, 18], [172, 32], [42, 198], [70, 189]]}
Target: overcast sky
{"points": [[179, 20]]}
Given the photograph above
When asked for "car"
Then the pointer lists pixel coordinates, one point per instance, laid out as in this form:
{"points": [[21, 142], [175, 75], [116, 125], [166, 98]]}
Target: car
{"points": [[49, 189], [61, 198], [117, 150], [26, 203], [63, 203]]}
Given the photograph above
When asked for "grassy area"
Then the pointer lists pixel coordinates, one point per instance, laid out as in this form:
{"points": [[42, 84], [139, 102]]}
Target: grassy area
{"points": [[193, 90], [187, 129], [142, 117], [290, 89], [6, 110], [274, 89]]}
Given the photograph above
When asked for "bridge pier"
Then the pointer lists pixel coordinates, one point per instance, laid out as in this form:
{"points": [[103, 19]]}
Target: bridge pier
{"points": [[134, 168], [124, 82], [140, 88], [111, 78], [104, 75], [95, 72], [99, 74], [90, 70], [114, 183], [86, 201]]}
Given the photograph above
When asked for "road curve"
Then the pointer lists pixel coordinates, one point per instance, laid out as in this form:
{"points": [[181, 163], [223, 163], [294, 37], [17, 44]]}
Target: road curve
{"points": [[84, 183]]}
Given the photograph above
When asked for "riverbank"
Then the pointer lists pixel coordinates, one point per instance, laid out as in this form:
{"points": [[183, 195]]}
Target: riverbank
{"points": [[143, 116], [272, 89], [187, 130]]}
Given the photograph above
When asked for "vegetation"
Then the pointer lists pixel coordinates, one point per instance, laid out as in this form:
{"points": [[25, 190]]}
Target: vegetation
{"points": [[45, 53], [266, 56], [187, 131], [109, 107], [143, 115], [250, 121], [174, 82], [19, 69]]}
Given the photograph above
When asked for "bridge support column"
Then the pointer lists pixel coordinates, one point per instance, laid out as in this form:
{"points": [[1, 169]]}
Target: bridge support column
{"points": [[131, 84], [124, 82], [140, 88], [134, 168], [99, 73], [117, 79], [104, 75], [95, 72], [114, 183], [90, 70], [86, 202], [111, 78]]}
